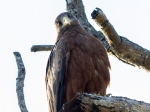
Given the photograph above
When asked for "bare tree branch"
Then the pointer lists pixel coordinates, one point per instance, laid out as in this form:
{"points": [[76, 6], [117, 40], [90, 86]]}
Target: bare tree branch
{"points": [[20, 82], [140, 56], [95, 103], [121, 47], [91, 102], [36, 48]]}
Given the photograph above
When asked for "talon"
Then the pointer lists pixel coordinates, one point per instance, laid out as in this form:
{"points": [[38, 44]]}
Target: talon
{"points": [[108, 95]]}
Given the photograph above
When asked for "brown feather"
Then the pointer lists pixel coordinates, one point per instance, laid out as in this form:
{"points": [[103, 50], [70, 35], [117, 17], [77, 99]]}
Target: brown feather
{"points": [[87, 64]]}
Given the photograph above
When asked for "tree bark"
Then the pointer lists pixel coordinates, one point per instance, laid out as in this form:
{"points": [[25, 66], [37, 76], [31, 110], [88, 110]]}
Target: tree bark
{"points": [[95, 103], [20, 82]]}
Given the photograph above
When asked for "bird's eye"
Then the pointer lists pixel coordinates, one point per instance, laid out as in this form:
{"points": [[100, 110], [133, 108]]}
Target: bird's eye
{"points": [[69, 15], [59, 23]]}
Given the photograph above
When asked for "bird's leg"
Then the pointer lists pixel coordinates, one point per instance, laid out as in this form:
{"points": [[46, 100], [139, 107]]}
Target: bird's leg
{"points": [[107, 95]]}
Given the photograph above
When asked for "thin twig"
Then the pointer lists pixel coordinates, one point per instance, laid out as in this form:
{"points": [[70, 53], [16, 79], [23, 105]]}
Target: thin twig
{"points": [[36, 48]]}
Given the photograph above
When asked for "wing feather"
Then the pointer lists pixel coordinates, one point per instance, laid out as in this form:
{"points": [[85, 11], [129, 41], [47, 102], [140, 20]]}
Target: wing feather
{"points": [[56, 75]]}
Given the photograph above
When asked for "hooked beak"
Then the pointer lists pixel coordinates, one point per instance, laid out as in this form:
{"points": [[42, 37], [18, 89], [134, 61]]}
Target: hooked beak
{"points": [[67, 21]]}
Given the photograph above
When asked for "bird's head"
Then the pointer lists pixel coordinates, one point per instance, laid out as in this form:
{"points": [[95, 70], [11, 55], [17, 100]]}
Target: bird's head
{"points": [[64, 21]]}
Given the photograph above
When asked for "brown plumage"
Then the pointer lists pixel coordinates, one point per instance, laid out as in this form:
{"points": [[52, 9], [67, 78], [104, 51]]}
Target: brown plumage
{"points": [[77, 63]]}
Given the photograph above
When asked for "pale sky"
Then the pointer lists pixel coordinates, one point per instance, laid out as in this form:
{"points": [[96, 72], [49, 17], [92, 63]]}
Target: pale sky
{"points": [[24, 23]]}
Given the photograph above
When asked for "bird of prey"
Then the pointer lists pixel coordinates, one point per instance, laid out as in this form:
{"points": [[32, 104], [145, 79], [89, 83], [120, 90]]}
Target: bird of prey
{"points": [[77, 63]]}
